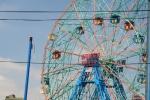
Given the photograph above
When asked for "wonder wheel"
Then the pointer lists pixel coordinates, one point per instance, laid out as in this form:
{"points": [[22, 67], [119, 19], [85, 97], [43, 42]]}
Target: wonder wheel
{"points": [[97, 51]]}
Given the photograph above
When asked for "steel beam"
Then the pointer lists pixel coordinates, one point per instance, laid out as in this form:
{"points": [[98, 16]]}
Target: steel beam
{"points": [[28, 69]]}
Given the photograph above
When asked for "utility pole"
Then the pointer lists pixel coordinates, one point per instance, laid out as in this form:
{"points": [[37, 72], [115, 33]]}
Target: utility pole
{"points": [[28, 69], [147, 88]]}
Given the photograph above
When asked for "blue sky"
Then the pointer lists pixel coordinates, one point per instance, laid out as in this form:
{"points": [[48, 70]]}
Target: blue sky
{"points": [[14, 39]]}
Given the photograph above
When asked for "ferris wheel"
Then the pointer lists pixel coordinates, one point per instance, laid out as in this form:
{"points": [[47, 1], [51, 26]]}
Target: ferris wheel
{"points": [[97, 51]]}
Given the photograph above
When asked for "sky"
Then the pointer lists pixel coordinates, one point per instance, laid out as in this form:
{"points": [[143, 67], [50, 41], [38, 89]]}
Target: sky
{"points": [[14, 41]]}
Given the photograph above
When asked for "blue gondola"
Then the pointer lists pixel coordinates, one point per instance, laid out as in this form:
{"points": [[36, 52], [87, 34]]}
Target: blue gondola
{"points": [[118, 62], [138, 39], [141, 78], [114, 19], [46, 81], [120, 69], [79, 30], [123, 62]]}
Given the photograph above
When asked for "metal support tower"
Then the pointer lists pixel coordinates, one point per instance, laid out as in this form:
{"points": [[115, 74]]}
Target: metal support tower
{"points": [[79, 90], [98, 81], [147, 92]]}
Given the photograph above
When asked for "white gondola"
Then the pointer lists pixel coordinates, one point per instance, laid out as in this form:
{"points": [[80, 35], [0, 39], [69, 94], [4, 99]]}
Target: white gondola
{"points": [[42, 91], [110, 83], [53, 38]]}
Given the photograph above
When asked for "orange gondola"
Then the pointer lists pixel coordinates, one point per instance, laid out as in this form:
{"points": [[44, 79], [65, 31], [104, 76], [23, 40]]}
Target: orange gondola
{"points": [[98, 21], [129, 25]]}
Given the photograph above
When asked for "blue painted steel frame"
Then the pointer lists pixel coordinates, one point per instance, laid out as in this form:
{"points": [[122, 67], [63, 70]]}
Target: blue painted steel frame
{"points": [[28, 69], [98, 80], [101, 86], [147, 92]]}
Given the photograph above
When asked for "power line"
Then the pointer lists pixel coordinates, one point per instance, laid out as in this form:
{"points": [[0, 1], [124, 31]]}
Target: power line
{"points": [[58, 63], [71, 11], [4, 19], [30, 62]]}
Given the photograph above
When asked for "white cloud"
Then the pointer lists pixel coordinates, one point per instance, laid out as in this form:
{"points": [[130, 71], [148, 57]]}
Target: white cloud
{"points": [[12, 80], [10, 65], [2, 78], [7, 86]]}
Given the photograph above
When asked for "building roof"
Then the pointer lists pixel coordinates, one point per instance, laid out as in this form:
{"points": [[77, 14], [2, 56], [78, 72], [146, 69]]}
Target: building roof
{"points": [[13, 98]]}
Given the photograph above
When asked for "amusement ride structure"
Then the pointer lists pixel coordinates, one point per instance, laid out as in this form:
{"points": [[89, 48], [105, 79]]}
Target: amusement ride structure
{"points": [[97, 51]]}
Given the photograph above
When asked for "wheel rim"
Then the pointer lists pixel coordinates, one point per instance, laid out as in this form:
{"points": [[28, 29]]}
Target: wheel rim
{"points": [[96, 38]]}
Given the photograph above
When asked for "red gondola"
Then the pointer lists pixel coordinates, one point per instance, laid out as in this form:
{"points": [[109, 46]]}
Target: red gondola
{"points": [[136, 97], [56, 55], [128, 25], [144, 57]]}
